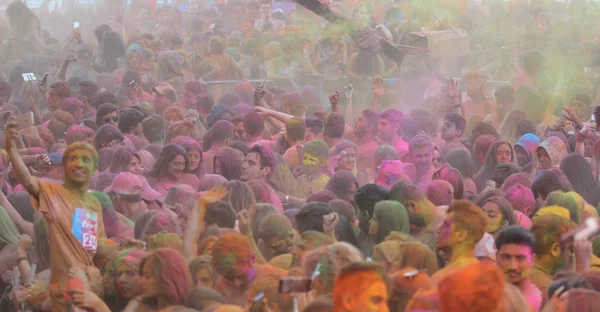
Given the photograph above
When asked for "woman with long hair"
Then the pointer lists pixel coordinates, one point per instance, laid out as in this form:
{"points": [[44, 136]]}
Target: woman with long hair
{"points": [[26, 31], [388, 216], [113, 51], [241, 196], [128, 278], [498, 213], [166, 279], [228, 163], [500, 152], [460, 159], [579, 173], [343, 184], [126, 160], [452, 176], [170, 169], [195, 155]]}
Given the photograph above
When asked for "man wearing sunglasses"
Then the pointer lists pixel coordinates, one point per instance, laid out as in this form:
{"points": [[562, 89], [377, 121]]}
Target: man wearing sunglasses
{"points": [[107, 113]]}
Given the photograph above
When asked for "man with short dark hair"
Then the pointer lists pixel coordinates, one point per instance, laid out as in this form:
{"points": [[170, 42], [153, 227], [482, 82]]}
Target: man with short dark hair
{"points": [[154, 129], [259, 164], [220, 134], [57, 93], [254, 126], [130, 123], [107, 113], [333, 129], [314, 129], [85, 91], [365, 199], [389, 131], [514, 256], [453, 128]]}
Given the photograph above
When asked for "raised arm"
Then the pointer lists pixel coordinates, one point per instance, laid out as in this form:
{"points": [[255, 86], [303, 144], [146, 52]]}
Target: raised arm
{"points": [[29, 182], [196, 224]]}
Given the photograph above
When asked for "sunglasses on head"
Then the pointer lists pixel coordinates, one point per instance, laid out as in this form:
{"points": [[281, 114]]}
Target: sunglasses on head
{"points": [[109, 119]]}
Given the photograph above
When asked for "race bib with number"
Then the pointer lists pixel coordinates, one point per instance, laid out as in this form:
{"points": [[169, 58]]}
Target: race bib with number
{"points": [[85, 228]]}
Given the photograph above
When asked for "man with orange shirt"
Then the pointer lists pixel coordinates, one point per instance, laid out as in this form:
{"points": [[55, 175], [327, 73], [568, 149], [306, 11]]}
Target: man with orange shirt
{"points": [[74, 216]]}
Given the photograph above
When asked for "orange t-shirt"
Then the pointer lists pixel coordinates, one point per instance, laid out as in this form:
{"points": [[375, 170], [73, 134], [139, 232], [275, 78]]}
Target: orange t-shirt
{"points": [[57, 205]]}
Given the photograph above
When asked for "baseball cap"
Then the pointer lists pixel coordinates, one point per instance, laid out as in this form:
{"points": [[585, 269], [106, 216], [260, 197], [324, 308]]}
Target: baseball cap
{"points": [[125, 183], [148, 193], [165, 89]]}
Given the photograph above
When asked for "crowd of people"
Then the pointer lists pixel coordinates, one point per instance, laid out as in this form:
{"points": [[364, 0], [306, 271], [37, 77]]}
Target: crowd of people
{"points": [[248, 155]]}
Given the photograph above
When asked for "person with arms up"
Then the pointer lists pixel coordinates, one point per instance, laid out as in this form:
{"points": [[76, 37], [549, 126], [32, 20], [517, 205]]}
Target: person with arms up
{"points": [[66, 208]]}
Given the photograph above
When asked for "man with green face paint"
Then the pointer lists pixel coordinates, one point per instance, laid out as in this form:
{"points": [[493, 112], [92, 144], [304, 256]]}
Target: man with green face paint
{"points": [[551, 254], [74, 216], [314, 160]]}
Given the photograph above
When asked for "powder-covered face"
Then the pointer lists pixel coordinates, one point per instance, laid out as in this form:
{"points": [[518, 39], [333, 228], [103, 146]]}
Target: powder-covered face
{"points": [[515, 260], [493, 216], [128, 279], [448, 130], [79, 167], [134, 61], [204, 278], [149, 281], [373, 299], [171, 118], [503, 154], [543, 158], [194, 160], [348, 160], [244, 274], [422, 158], [134, 165], [311, 163], [251, 167], [176, 167], [386, 130]]}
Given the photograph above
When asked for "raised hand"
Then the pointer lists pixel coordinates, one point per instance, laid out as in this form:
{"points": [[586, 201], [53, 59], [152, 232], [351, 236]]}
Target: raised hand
{"points": [[349, 91], [334, 99], [378, 89], [244, 222], [259, 92]]}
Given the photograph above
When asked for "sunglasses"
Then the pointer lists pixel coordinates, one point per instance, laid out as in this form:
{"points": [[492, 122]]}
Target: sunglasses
{"points": [[109, 119]]}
